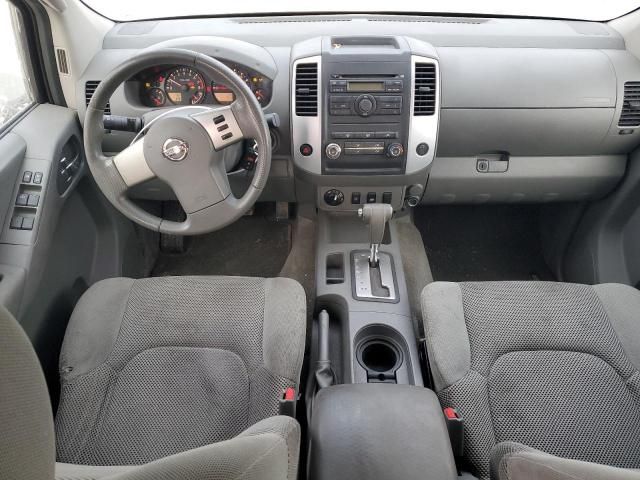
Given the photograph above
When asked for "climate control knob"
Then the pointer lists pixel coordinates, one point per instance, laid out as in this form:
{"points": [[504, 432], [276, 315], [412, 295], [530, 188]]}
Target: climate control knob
{"points": [[395, 150], [333, 197], [333, 151]]}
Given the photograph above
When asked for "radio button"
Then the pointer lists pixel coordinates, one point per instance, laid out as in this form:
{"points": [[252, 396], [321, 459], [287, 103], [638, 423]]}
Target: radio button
{"points": [[338, 86], [343, 105], [386, 135], [390, 111], [364, 145], [343, 135], [394, 105], [340, 111], [394, 86]]}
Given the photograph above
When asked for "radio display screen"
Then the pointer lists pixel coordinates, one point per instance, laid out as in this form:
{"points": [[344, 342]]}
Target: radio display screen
{"points": [[365, 87]]}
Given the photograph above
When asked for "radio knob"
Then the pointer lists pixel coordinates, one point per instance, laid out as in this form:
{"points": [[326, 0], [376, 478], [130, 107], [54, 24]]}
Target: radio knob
{"points": [[333, 151], [365, 105], [395, 150]]}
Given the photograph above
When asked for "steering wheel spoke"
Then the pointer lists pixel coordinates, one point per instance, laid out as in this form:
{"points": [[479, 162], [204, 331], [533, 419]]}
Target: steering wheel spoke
{"points": [[221, 125], [132, 165]]}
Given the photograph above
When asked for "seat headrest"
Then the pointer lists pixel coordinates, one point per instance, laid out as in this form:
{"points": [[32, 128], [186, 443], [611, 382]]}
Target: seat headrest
{"points": [[27, 442]]}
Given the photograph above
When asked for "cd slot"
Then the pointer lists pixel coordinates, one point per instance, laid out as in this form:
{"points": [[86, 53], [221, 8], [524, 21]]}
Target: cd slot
{"points": [[347, 76]]}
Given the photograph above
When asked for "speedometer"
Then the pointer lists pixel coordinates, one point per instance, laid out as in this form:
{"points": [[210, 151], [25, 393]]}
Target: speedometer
{"points": [[185, 86]]}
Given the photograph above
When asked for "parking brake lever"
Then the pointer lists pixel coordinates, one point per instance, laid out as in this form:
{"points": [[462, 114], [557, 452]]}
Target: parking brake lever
{"points": [[325, 376]]}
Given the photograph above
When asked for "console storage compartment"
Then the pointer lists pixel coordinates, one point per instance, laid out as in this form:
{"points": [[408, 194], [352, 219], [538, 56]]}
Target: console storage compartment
{"points": [[379, 431]]}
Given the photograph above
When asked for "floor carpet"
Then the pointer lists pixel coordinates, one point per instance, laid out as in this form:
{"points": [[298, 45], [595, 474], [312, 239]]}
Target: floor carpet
{"points": [[479, 243]]}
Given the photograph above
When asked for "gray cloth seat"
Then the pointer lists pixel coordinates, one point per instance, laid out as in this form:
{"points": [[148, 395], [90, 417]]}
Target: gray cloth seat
{"points": [[552, 366], [514, 461], [163, 378]]}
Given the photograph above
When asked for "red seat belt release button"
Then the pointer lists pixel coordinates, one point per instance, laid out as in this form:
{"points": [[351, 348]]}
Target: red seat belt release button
{"points": [[288, 402], [455, 426]]}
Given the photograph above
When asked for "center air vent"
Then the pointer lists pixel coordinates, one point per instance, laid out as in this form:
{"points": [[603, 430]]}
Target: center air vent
{"points": [[425, 89], [630, 115], [306, 89], [89, 90]]}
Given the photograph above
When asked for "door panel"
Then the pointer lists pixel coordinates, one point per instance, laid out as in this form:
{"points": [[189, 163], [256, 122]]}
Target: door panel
{"points": [[12, 151], [76, 238]]}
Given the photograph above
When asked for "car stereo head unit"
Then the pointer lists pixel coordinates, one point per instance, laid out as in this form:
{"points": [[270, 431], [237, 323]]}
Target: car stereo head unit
{"points": [[366, 121]]}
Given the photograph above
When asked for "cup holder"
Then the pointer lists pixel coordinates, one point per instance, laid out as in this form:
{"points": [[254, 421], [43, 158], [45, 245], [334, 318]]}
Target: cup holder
{"points": [[380, 358]]}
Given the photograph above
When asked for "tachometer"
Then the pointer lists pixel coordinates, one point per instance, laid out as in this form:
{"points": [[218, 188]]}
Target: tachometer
{"points": [[185, 86]]}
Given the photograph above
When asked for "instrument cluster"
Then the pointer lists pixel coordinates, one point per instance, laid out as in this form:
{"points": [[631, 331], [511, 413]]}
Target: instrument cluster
{"points": [[180, 85]]}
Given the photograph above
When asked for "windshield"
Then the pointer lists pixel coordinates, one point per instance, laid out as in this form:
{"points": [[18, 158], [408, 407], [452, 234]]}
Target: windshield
{"points": [[598, 10]]}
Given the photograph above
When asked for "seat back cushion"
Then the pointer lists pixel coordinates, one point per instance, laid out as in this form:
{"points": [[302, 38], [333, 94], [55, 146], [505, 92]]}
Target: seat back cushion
{"points": [[193, 361], [26, 436], [545, 369]]}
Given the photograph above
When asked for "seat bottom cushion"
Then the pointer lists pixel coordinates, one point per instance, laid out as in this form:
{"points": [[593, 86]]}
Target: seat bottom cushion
{"points": [[158, 366], [549, 365], [268, 450]]}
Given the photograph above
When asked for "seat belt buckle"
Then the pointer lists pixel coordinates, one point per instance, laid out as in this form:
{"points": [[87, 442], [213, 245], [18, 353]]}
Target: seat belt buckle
{"points": [[288, 402], [455, 427]]}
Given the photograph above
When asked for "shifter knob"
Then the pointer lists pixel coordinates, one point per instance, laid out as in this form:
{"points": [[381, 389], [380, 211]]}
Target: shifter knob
{"points": [[376, 215]]}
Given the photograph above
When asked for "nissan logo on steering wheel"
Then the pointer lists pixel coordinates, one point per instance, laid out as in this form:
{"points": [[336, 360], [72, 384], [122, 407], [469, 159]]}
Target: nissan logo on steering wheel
{"points": [[175, 149]]}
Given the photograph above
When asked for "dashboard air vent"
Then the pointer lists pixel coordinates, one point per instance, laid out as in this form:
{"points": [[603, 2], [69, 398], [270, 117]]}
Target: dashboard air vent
{"points": [[89, 89], [307, 90], [61, 60], [630, 115], [425, 89]]}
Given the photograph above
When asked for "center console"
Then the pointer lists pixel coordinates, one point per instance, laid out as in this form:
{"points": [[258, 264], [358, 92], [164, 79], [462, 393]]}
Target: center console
{"points": [[379, 432], [364, 127]]}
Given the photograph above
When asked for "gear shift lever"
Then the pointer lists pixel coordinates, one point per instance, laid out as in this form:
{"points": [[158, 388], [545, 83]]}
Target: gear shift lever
{"points": [[376, 215]]}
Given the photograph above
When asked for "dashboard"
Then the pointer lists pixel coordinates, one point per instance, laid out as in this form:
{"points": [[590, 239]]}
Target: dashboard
{"points": [[168, 85], [416, 109]]}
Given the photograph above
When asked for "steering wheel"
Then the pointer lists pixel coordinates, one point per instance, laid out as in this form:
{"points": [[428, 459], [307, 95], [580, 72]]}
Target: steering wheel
{"points": [[183, 147]]}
